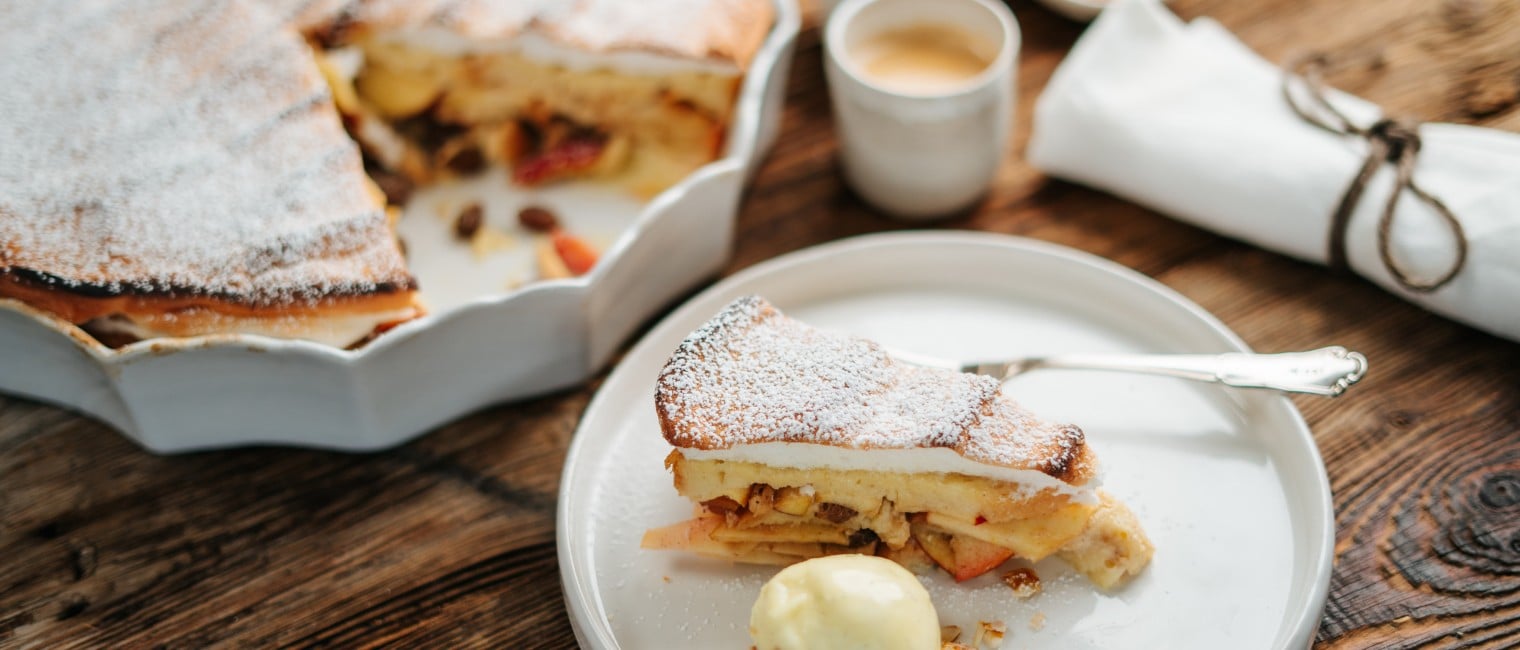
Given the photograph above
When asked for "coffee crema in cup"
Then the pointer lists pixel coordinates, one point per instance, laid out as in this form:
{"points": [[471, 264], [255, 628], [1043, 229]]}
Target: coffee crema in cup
{"points": [[920, 59]]}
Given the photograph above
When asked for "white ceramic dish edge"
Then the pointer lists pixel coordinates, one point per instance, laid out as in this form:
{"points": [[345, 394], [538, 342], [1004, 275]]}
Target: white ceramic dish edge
{"points": [[174, 395], [588, 619]]}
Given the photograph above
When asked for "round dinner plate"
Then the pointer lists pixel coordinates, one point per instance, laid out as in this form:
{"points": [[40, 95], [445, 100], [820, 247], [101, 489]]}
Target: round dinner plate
{"points": [[1227, 483]]}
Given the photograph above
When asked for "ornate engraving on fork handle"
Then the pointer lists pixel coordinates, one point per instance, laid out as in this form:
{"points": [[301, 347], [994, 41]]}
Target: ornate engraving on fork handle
{"points": [[1326, 371]]}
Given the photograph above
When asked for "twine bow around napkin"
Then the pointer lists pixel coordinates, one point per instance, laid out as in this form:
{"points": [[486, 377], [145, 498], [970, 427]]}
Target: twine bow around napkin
{"points": [[1388, 139], [1186, 120]]}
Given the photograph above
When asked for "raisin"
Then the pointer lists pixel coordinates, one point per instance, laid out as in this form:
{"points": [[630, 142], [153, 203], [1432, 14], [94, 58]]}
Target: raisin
{"points": [[834, 513], [537, 219], [862, 537], [397, 188], [469, 220], [467, 161], [722, 505]]}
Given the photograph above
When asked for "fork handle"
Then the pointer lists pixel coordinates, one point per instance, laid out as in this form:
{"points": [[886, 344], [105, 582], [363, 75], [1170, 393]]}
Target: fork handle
{"points": [[1326, 371]]}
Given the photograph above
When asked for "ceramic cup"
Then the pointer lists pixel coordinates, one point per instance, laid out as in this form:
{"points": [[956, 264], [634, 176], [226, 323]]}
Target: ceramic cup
{"points": [[921, 155]]}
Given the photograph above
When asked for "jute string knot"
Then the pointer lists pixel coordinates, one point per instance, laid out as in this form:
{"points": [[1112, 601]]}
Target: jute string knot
{"points": [[1392, 141]]}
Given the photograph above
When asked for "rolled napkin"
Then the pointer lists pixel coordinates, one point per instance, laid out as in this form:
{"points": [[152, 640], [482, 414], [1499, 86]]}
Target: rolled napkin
{"points": [[1186, 120]]}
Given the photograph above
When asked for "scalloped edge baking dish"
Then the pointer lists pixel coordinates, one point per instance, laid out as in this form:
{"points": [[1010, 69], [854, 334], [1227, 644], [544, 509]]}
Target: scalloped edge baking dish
{"points": [[175, 395]]}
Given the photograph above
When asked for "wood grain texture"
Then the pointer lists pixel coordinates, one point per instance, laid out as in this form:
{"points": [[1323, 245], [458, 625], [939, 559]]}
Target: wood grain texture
{"points": [[449, 540]]}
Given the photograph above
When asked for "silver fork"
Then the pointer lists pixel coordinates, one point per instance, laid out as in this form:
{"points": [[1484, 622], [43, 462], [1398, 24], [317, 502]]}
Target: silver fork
{"points": [[1326, 371]]}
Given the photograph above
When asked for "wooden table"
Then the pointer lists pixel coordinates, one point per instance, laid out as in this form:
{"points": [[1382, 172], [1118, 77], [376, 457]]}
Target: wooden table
{"points": [[449, 540]]}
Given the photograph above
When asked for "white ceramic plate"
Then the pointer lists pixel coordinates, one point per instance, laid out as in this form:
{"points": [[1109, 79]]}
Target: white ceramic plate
{"points": [[1228, 483], [486, 340]]}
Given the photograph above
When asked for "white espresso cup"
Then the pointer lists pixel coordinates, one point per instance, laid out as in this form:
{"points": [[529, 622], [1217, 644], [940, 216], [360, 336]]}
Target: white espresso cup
{"points": [[921, 151]]}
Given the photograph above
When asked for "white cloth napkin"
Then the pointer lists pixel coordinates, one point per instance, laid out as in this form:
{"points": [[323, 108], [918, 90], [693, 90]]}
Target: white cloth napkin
{"points": [[1186, 120]]}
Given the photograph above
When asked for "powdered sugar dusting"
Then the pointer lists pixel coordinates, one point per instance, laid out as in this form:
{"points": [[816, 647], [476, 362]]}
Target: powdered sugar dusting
{"points": [[751, 375], [729, 31], [187, 147], [721, 29]]}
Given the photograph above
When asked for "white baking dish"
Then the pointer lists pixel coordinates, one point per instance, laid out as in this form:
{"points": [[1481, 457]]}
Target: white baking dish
{"points": [[175, 395]]}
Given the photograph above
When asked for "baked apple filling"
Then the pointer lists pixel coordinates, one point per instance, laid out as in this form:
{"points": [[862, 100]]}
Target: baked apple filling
{"points": [[428, 114], [763, 524]]}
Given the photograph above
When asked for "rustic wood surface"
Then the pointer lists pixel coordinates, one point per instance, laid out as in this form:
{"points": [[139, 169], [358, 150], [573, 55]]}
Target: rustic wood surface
{"points": [[449, 540]]}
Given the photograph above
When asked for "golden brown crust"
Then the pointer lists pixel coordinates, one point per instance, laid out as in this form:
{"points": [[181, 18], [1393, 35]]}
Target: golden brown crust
{"points": [[77, 307], [751, 375]]}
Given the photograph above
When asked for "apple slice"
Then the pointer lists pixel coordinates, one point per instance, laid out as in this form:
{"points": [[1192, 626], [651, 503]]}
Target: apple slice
{"points": [[934, 542], [793, 501], [910, 555], [571, 156], [777, 533], [962, 556], [1032, 539], [800, 550], [683, 536], [973, 557]]}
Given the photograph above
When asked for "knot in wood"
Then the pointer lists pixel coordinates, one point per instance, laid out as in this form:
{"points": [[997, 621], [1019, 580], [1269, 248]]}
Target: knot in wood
{"points": [[1478, 540], [1501, 491]]}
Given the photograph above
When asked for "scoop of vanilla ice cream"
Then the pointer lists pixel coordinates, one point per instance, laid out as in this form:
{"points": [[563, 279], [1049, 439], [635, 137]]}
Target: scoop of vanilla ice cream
{"points": [[844, 601]]}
